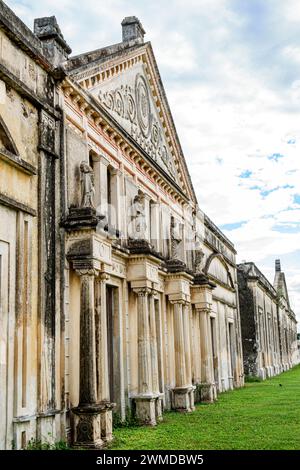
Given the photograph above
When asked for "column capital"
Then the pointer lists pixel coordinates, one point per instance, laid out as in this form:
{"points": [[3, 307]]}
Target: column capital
{"points": [[203, 310], [104, 277], [154, 292], [116, 172], [104, 160], [142, 291], [87, 272], [177, 302]]}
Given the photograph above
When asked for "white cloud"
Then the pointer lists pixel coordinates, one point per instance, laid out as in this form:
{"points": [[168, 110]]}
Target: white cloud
{"points": [[291, 10], [231, 72]]}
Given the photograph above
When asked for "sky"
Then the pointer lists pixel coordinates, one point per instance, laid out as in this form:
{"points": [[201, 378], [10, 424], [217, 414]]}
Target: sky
{"points": [[231, 71]]}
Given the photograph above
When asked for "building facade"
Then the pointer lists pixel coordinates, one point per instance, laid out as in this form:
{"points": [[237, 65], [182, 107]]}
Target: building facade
{"points": [[158, 275], [119, 296], [269, 326], [30, 287]]}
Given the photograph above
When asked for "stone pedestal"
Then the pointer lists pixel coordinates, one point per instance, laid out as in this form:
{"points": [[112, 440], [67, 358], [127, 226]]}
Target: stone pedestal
{"points": [[146, 409], [87, 427], [107, 422], [207, 393], [159, 407], [184, 399]]}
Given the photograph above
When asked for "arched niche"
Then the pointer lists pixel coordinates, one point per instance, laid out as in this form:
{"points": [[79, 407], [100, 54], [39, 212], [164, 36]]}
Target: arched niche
{"points": [[217, 266]]}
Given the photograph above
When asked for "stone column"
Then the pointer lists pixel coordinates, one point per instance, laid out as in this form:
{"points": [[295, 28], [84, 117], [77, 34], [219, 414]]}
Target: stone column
{"points": [[87, 421], [154, 359], [186, 328], [182, 388], [207, 385], [145, 400], [180, 367], [104, 398], [188, 358]]}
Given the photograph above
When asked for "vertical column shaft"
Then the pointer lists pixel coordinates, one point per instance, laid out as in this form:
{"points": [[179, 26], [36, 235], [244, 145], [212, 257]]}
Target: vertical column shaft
{"points": [[180, 366], [204, 332], [153, 347], [144, 383], [88, 390], [187, 341], [103, 376]]}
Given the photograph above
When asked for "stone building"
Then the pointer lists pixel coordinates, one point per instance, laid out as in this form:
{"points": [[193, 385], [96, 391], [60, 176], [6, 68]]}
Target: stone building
{"points": [[269, 326], [157, 275], [31, 326], [118, 295]]}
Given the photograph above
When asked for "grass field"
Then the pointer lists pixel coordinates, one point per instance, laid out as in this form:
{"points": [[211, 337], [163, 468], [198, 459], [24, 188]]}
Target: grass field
{"points": [[263, 415]]}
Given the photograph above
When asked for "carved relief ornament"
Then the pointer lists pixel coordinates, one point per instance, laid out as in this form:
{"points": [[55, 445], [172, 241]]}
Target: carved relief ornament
{"points": [[134, 105]]}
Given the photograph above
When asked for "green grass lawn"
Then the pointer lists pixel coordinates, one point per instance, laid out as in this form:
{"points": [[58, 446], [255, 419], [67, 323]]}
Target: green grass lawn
{"points": [[262, 415]]}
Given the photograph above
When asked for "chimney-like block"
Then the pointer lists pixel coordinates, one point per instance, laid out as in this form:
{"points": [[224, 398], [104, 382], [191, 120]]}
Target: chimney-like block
{"points": [[277, 266], [49, 33], [132, 29]]}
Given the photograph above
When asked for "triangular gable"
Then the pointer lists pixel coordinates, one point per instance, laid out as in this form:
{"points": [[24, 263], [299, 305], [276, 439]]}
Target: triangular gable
{"points": [[6, 140], [129, 100], [129, 87]]}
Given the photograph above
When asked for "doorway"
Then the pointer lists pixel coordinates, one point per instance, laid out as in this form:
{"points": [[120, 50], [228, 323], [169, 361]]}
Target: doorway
{"points": [[113, 341]]}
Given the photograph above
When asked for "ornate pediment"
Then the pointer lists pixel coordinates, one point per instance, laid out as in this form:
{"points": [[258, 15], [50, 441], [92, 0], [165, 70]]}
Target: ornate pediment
{"points": [[129, 99]]}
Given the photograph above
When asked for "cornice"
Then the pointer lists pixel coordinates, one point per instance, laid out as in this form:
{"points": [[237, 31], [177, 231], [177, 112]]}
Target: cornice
{"points": [[23, 37], [18, 162]]}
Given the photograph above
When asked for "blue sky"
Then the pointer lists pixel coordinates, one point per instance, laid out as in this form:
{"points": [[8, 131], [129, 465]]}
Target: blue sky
{"points": [[231, 69]]}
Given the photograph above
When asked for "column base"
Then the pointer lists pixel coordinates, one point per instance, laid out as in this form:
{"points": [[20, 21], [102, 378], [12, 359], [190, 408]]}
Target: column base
{"points": [[107, 421], [159, 407], [208, 392], [87, 427], [262, 373], [146, 409], [276, 369], [183, 399]]}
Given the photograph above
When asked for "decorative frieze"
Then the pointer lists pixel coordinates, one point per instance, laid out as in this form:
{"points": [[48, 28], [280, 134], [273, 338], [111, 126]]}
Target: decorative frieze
{"points": [[108, 136], [133, 104], [118, 269]]}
